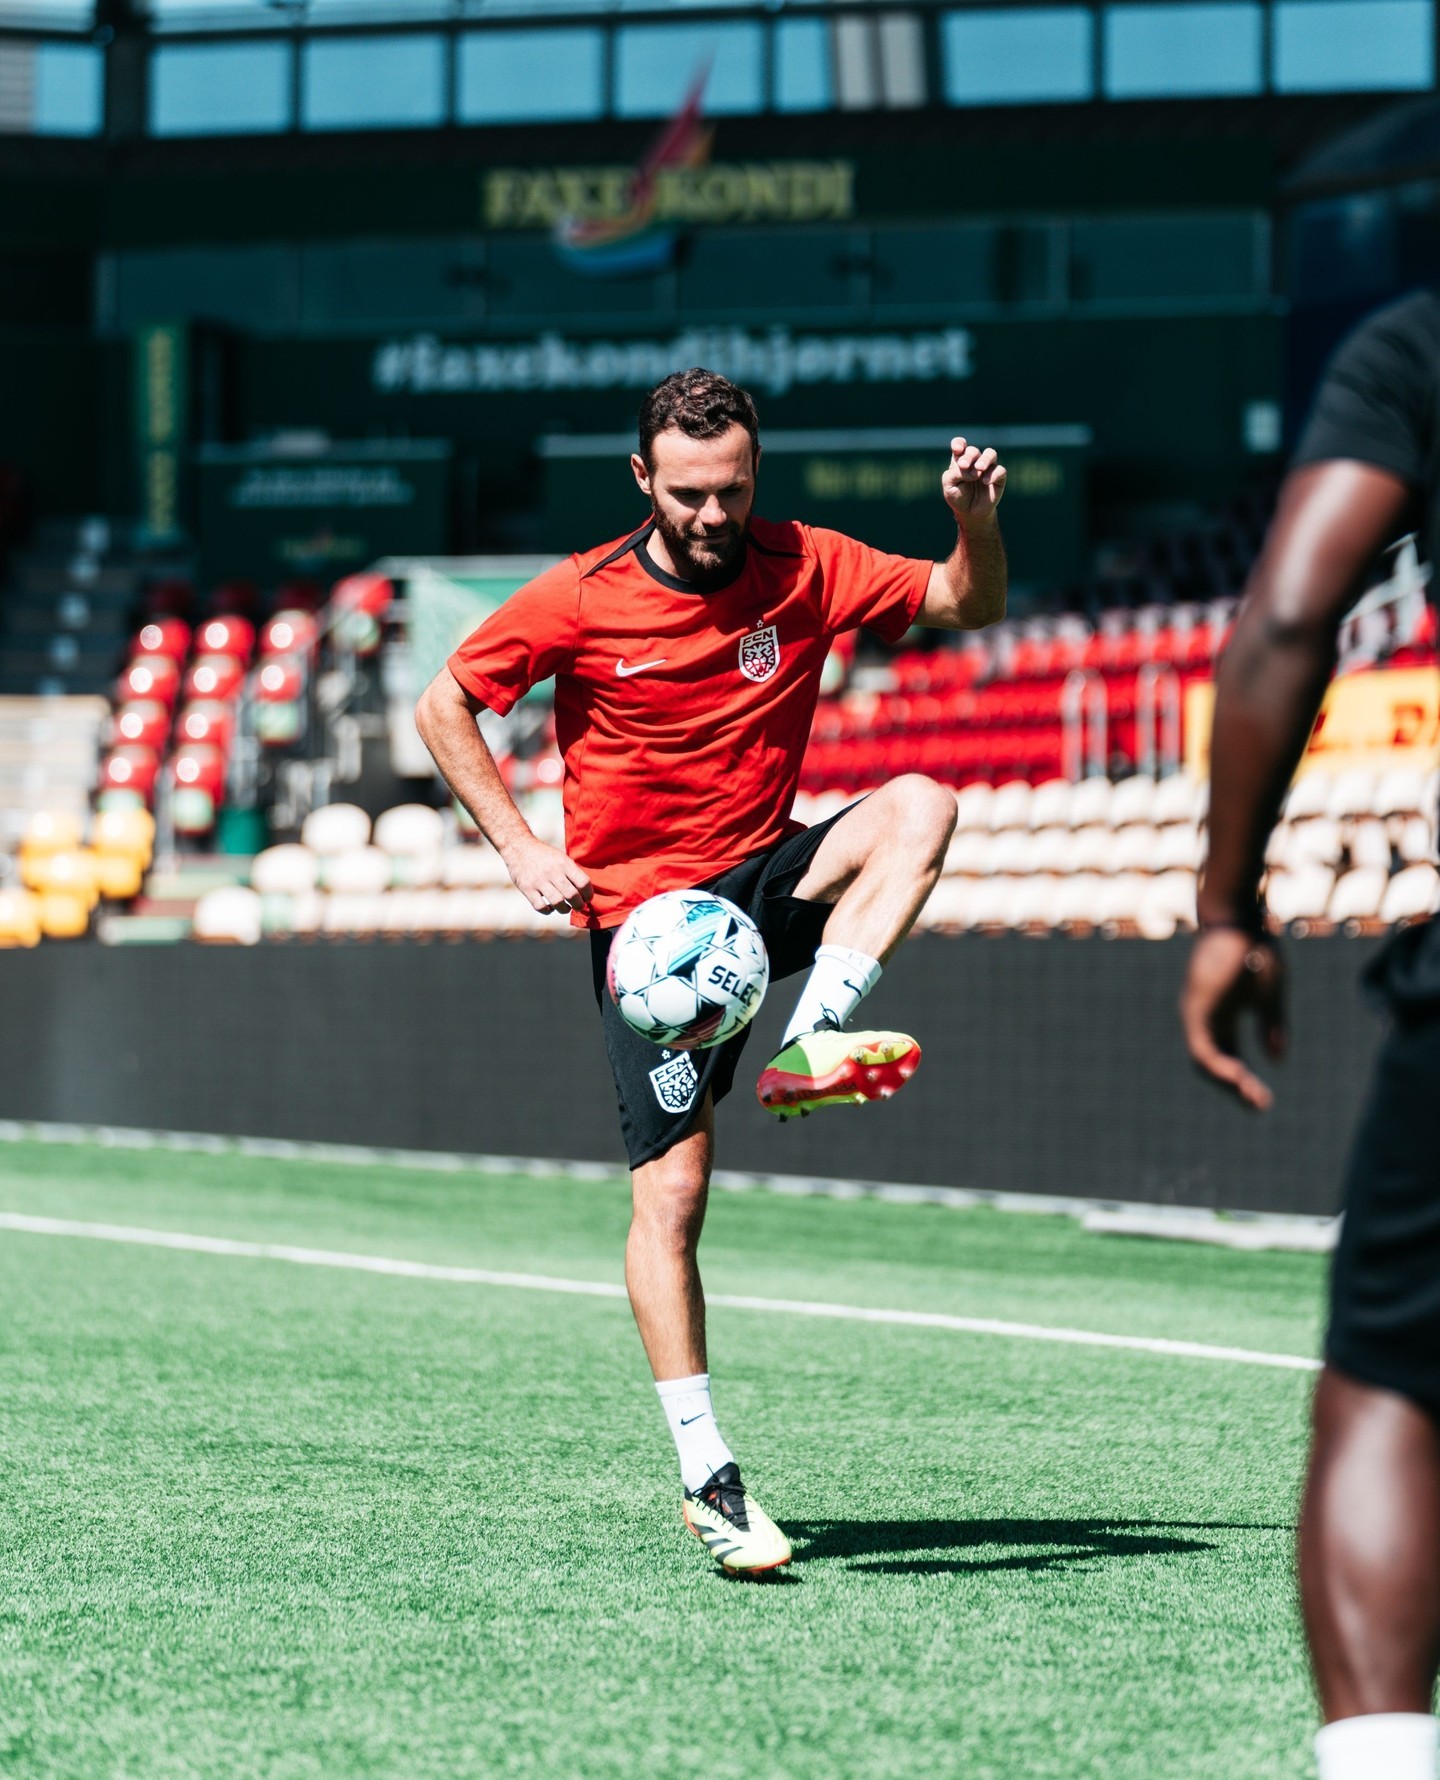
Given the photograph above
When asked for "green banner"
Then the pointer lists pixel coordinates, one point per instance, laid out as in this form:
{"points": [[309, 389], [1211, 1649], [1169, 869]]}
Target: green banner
{"points": [[161, 366], [273, 516]]}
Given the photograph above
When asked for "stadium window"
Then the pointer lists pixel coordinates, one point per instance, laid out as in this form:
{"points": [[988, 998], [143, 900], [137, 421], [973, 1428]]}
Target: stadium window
{"points": [[373, 83], [1162, 52], [525, 279], [211, 15], [1167, 259], [802, 65], [249, 287], [544, 76], [769, 273], [69, 89], [219, 89], [655, 66], [1354, 46], [1021, 56]]}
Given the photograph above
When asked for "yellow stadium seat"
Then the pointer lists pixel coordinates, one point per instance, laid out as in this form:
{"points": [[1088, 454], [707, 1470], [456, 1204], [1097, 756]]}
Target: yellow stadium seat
{"points": [[118, 876], [129, 832], [71, 874], [64, 914], [19, 918], [50, 831]]}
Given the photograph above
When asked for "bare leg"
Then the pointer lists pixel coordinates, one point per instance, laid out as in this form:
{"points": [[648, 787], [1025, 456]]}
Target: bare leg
{"points": [[880, 862], [661, 1271], [1370, 1550]]}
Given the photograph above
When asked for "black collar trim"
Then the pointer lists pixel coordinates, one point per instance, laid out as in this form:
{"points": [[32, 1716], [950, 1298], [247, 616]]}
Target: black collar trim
{"points": [[673, 582], [630, 543]]}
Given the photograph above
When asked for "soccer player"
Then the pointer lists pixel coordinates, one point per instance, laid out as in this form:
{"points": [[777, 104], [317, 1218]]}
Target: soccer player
{"points": [[1367, 470], [687, 658]]}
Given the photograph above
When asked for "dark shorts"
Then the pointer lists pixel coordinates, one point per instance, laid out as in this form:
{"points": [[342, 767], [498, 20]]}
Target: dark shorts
{"points": [[1385, 1287], [662, 1091]]}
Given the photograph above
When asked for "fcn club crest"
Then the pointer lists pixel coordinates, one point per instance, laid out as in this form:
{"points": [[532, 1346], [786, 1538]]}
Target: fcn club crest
{"points": [[675, 1083], [760, 653]]}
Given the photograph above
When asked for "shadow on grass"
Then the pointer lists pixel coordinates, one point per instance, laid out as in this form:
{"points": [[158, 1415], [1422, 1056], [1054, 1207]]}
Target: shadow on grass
{"points": [[885, 1547]]}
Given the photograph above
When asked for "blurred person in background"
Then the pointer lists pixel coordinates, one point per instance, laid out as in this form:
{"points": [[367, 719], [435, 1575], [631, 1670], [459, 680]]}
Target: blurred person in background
{"points": [[1366, 472]]}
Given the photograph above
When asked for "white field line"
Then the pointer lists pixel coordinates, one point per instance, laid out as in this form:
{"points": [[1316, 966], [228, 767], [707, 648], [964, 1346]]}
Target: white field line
{"points": [[586, 1288]]}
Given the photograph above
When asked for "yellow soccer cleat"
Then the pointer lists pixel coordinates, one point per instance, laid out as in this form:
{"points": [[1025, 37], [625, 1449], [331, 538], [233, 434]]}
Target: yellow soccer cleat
{"points": [[830, 1068], [733, 1527]]}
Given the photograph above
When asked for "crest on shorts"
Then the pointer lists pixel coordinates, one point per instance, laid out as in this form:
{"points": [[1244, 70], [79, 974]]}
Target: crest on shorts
{"points": [[675, 1083], [760, 653]]}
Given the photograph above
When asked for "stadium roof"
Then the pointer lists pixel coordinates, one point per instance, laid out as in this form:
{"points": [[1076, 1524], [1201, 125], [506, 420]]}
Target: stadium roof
{"points": [[1402, 143]]}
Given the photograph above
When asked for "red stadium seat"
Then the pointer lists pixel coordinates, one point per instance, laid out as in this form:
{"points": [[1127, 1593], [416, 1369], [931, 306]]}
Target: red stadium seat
{"points": [[229, 635], [131, 768], [280, 680], [207, 721], [163, 636], [143, 722], [214, 676], [150, 677]]}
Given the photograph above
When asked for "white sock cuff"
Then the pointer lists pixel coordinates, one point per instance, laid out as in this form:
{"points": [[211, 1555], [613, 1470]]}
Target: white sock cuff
{"points": [[679, 1387], [1379, 1746], [859, 964]]}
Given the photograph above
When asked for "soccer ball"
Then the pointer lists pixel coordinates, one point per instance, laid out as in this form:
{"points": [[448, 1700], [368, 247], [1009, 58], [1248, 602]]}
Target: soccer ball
{"points": [[687, 970]]}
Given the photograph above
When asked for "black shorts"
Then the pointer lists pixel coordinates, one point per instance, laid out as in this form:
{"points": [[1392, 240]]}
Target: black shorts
{"points": [[1385, 1286], [662, 1091]]}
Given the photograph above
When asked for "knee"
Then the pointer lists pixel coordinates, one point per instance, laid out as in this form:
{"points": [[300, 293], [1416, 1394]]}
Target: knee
{"points": [[924, 813], [672, 1211]]}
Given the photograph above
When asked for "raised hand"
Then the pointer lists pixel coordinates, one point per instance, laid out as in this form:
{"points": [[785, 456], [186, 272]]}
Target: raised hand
{"points": [[973, 484]]}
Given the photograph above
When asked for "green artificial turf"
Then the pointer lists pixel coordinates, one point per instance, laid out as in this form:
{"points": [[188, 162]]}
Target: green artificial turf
{"points": [[260, 1519]]}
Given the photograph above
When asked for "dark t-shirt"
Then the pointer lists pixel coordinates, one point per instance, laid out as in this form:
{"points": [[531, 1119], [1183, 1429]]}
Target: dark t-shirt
{"points": [[1379, 403]]}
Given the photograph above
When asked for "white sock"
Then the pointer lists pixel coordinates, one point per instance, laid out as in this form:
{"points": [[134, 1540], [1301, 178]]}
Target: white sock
{"points": [[833, 990], [1379, 1746], [691, 1416]]}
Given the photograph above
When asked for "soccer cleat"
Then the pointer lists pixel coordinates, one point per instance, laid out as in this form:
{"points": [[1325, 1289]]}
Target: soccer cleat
{"points": [[733, 1527], [830, 1068]]}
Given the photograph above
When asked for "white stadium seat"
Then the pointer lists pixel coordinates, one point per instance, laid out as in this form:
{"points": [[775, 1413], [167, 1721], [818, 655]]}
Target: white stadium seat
{"points": [[1352, 794], [288, 870], [1011, 808], [1315, 841], [1076, 901], [1132, 801], [363, 871], [1090, 803], [1302, 895], [1179, 847], [1050, 806], [1136, 848], [1090, 849], [1010, 853], [1414, 838], [410, 828], [1177, 799], [1410, 894], [1050, 850], [335, 828], [1369, 845], [473, 867], [1400, 792], [972, 806], [1358, 895], [231, 915], [1308, 796]]}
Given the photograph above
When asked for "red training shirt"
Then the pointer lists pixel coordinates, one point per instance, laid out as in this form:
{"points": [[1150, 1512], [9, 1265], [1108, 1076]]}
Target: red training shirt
{"points": [[683, 716]]}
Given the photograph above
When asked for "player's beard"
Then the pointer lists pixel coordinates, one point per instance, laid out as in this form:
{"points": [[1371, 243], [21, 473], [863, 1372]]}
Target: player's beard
{"points": [[706, 558]]}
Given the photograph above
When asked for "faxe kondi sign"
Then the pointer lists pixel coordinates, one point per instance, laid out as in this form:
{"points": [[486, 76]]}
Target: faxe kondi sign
{"points": [[724, 192]]}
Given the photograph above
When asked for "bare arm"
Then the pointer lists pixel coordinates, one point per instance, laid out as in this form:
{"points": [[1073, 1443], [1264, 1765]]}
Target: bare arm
{"points": [[967, 590], [445, 717], [1333, 519]]}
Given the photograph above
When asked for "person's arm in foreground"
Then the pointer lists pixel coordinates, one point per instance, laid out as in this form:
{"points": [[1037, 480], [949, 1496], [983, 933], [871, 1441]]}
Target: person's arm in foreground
{"points": [[967, 590], [545, 877], [1333, 519]]}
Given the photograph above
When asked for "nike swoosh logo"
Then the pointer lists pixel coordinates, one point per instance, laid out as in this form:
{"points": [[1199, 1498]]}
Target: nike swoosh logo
{"points": [[685, 1420], [624, 672]]}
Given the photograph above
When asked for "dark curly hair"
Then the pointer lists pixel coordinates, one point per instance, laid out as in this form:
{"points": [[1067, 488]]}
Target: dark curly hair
{"points": [[701, 404]]}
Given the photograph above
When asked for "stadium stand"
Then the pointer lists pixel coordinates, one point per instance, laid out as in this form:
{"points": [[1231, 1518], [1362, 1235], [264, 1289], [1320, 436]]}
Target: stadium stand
{"points": [[1064, 738]]}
